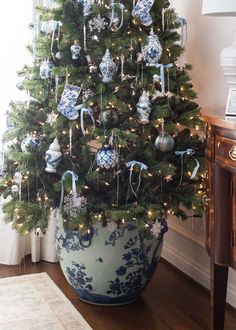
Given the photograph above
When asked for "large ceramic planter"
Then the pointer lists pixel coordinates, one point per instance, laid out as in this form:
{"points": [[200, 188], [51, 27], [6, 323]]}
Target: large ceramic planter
{"points": [[108, 267]]}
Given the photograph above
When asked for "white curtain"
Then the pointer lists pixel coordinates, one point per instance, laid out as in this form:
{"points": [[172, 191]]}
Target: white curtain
{"points": [[15, 35], [14, 247]]}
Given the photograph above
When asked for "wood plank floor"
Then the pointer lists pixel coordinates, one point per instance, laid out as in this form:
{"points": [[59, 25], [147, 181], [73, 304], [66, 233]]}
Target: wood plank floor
{"points": [[171, 301]]}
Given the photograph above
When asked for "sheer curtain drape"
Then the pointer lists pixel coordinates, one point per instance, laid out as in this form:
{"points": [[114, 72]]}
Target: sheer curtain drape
{"points": [[15, 35]]}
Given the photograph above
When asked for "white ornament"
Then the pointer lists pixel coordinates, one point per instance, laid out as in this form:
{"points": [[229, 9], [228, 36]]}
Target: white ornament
{"points": [[139, 57], [157, 94], [18, 177], [144, 108], [75, 206], [97, 23], [108, 67], [156, 228], [53, 157], [14, 188], [111, 226], [51, 118], [156, 78], [152, 51]]}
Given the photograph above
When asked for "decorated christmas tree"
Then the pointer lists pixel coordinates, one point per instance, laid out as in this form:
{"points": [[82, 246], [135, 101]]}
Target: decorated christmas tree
{"points": [[110, 103]]}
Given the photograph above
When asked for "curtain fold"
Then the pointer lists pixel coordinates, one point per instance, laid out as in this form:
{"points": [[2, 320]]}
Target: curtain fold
{"points": [[14, 247]]}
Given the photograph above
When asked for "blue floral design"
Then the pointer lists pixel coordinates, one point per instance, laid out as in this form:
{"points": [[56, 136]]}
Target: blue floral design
{"points": [[116, 234], [69, 241], [78, 278], [128, 281]]}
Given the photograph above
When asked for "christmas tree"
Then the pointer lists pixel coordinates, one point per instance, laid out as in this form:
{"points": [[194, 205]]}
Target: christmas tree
{"points": [[109, 102]]}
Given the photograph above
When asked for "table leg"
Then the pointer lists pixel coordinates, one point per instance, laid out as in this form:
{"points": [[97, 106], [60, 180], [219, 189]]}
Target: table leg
{"points": [[219, 278]]}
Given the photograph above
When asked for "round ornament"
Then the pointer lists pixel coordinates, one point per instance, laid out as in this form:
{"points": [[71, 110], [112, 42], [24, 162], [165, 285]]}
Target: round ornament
{"points": [[30, 143], [165, 142], [108, 118], [107, 158]]}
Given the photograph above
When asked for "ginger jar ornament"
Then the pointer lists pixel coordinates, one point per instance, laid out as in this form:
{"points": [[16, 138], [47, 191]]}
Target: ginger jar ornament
{"points": [[53, 157], [152, 51], [75, 50], [144, 108], [107, 67]]}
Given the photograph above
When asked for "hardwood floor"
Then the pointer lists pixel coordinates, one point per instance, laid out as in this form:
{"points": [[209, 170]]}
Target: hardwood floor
{"points": [[171, 301]]}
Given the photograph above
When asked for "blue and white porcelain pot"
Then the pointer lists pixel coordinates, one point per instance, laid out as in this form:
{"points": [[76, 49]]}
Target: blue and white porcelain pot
{"points": [[109, 265]]}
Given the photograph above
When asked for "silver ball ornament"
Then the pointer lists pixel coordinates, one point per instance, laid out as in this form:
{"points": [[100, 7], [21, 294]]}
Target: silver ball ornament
{"points": [[164, 142], [108, 118]]}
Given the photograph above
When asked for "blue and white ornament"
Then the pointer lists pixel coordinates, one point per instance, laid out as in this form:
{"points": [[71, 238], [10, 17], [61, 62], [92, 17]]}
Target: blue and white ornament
{"points": [[67, 105], [107, 158], [152, 51], [53, 157], [30, 143], [108, 67], [75, 50], [142, 11], [45, 70]]}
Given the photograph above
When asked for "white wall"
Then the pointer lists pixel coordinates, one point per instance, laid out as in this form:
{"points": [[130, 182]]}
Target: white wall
{"points": [[206, 36]]}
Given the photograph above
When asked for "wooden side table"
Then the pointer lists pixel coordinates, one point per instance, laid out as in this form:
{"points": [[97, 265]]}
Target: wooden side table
{"points": [[220, 206]]}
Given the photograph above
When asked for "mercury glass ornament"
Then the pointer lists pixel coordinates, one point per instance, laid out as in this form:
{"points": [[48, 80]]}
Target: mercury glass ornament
{"points": [[108, 118], [108, 67], [152, 51], [144, 108], [164, 142], [53, 157]]}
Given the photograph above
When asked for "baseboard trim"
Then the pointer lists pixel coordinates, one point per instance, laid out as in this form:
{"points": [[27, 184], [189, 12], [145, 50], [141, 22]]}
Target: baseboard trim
{"points": [[186, 265], [194, 270]]}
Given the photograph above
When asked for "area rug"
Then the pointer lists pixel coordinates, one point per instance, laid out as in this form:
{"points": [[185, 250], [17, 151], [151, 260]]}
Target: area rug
{"points": [[34, 302]]}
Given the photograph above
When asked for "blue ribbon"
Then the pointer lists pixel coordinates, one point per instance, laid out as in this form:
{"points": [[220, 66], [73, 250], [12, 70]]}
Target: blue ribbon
{"points": [[121, 6], [142, 167], [162, 74], [182, 21], [74, 177], [190, 152], [83, 110]]}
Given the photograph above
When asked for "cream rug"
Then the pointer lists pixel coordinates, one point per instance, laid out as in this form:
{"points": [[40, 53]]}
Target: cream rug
{"points": [[34, 302]]}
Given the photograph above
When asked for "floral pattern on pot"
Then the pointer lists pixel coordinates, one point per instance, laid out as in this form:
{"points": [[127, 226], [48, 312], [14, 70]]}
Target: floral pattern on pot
{"points": [[115, 267]]}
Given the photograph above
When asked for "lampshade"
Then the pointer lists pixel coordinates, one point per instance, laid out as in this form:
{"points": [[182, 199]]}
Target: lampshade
{"points": [[219, 7]]}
